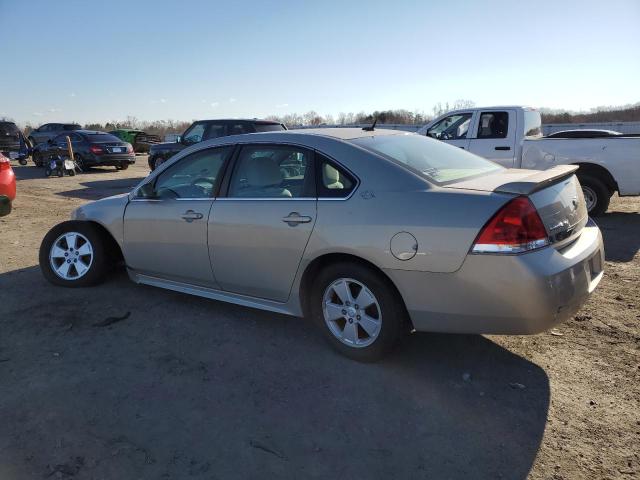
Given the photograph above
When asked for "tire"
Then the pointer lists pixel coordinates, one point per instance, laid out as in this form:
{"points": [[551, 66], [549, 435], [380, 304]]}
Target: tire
{"points": [[47, 171], [75, 276], [364, 283], [37, 160], [124, 166], [79, 162], [596, 193], [22, 161], [72, 173]]}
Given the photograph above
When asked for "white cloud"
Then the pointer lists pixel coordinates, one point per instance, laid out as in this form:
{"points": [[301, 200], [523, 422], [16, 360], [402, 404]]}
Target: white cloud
{"points": [[37, 114], [54, 110], [282, 105], [72, 94], [232, 100], [163, 100], [214, 104]]}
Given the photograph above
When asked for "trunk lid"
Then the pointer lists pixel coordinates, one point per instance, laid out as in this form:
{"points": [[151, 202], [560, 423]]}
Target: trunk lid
{"points": [[556, 194]]}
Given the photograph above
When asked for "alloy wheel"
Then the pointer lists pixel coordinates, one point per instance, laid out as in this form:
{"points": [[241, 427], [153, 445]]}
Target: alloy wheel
{"points": [[71, 256], [351, 312]]}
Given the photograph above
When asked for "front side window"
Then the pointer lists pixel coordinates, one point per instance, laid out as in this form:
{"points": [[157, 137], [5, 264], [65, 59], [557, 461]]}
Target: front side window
{"points": [[194, 134], [237, 129], [272, 172], [194, 176], [453, 127], [438, 162], [493, 125], [333, 181]]}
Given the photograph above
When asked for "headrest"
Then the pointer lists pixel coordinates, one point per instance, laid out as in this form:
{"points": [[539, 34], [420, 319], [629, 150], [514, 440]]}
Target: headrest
{"points": [[263, 171], [330, 174]]}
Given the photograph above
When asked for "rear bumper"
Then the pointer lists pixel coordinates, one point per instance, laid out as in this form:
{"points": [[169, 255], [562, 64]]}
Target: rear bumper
{"points": [[110, 160], [510, 294]]}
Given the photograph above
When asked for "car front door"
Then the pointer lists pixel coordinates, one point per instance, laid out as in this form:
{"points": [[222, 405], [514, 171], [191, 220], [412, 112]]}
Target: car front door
{"points": [[494, 137], [165, 224], [259, 229], [453, 129]]}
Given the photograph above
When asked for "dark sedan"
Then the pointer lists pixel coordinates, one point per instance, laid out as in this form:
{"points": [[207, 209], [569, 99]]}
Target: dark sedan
{"points": [[90, 149]]}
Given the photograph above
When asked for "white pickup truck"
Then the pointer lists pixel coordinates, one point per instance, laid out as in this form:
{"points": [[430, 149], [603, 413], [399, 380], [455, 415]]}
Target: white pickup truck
{"points": [[512, 137]]}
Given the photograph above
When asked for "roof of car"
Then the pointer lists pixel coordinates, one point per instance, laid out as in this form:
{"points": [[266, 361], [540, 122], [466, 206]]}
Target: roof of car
{"points": [[252, 120], [344, 133]]}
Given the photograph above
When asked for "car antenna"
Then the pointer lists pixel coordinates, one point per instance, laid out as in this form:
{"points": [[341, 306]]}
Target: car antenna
{"points": [[372, 127]]}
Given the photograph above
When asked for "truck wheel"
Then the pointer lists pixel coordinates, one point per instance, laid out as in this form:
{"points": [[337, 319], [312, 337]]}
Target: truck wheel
{"points": [[596, 194]]}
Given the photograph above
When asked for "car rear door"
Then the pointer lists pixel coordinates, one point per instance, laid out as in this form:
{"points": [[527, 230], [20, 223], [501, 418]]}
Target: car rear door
{"points": [[259, 227], [494, 136], [166, 223]]}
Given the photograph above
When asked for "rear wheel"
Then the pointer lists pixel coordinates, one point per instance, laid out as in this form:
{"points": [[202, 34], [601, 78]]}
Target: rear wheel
{"points": [[122, 166], [358, 311], [73, 254], [596, 194], [79, 162]]}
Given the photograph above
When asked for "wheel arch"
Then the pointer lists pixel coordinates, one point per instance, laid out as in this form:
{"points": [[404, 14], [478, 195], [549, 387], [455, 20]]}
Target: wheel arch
{"points": [[599, 172], [322, 261], [113, 247]]}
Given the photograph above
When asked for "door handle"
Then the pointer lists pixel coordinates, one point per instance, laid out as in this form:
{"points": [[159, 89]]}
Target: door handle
{"points": [[295, 218], [503, 148], [462, 148], [189, 216]]}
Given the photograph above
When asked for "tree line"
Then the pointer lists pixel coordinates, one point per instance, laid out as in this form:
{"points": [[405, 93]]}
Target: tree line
{"points": [[626, 113]]}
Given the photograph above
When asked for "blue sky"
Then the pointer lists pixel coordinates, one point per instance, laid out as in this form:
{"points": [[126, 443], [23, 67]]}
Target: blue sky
{"points": [[106, 60]]}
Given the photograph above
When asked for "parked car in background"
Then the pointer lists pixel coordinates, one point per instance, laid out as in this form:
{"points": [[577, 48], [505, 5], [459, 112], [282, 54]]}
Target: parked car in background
{"points": [[584, 134], [90, 149], [512, 137], [369, 233], [7, 186], [12, 142], [208, 129], [140, 140], [50, 130]]}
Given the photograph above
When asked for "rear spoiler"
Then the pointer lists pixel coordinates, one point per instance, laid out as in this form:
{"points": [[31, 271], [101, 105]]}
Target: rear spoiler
{"points": [[537, 181]]}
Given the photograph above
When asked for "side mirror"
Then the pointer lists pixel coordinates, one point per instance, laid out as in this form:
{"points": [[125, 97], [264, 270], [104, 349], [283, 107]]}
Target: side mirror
{"points": [[147, 191], [179, 139]]}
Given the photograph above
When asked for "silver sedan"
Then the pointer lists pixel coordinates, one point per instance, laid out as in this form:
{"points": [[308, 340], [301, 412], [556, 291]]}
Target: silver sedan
{"points": [[370, 233]]}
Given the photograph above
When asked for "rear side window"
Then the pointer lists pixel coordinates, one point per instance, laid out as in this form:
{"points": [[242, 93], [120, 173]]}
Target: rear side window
{"points": [[493, 125], [215, 130], [438, 162], [332, 180], [70, 127], [268, 127]]}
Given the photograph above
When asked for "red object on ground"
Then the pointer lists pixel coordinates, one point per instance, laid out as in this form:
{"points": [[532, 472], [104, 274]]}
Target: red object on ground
{"points": [[7, 180]]}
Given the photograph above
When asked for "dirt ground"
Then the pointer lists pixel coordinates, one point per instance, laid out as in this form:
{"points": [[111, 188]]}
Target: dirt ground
{"points": [[187, 387]]}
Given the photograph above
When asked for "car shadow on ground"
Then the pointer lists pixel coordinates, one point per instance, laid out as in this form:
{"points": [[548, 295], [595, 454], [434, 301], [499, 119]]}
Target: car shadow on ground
{"points": [[31, 172], [185, 386], [102, 188], [621, 233]]}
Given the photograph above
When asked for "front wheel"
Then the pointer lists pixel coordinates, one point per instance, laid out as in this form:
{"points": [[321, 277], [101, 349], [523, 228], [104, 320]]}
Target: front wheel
{"points": [[73, 254], [596, 194], [22, 161], [358, 310]]}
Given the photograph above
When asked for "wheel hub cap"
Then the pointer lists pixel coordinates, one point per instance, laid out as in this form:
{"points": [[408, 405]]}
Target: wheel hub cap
{"points": [[351, 312], [71, 256]]}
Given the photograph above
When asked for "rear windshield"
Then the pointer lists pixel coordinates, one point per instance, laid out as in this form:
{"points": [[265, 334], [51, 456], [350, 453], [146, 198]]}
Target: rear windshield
{"points": [[102, 137], [69, 127], [268, 127], [439, 162], [7, 128]]}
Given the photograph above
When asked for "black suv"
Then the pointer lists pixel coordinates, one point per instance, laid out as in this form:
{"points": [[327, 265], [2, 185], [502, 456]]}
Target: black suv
{"points": [[48, 131], [206, 130], [12, 143]]}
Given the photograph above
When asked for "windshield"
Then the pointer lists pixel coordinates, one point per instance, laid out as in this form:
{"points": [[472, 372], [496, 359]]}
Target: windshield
{"points": [[439, 162]]}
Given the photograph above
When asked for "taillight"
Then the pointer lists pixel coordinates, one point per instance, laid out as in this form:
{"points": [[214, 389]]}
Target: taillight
{"points": [[95, 149], [516, 228], [5, 163], [129, 148]]}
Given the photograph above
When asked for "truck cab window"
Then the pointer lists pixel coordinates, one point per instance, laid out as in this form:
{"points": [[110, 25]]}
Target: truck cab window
{"points": [[493, 125], [453, 127]]}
